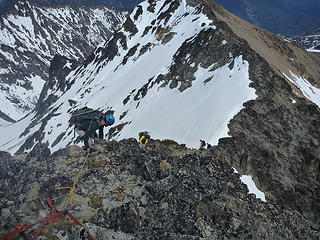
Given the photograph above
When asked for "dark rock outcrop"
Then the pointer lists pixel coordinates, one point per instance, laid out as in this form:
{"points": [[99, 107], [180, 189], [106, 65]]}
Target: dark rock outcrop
{"points": [[131, 191], [277, 141], [60, 67], [274, 138]]}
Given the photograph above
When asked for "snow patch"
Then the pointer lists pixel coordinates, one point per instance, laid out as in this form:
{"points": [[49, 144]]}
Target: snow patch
{"points": [[4, 123], [4, 71], [68, 65], [313, 50], [24, 98], [12, 131], [37, 85], [309, 91], [247, 179], [215, 102]]}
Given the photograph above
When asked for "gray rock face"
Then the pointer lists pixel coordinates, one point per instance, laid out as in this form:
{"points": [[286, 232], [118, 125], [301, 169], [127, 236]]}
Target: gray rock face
{"points": [[59, 68], [277, 141], [131, 191], [173, 192], [6, 164]]}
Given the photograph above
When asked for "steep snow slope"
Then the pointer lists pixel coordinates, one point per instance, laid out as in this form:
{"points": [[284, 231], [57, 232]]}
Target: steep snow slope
{"points": [[139, 75], [160, 32], [31, 36]]}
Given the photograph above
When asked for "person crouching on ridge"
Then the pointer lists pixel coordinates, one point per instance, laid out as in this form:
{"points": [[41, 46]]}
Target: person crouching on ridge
{"points": [[202, 144], [86, 128]]}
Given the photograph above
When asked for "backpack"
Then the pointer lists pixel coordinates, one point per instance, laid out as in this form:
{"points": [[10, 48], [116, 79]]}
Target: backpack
{"points": [[145, 134], [144, 137], [85, 113]]}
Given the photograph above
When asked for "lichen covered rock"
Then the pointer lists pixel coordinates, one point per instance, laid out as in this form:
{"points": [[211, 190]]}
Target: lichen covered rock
{"points": [[132, 191]]}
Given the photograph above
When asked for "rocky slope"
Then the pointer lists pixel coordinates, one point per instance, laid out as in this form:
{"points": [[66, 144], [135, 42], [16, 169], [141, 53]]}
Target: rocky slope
{"points": [[130, 191], [31, 36], [275, 137]]}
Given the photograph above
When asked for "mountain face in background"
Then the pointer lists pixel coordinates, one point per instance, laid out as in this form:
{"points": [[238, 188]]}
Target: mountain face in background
{"points": [[292, 17], [6, 5], [310, 40], [30, 38], [295, 21], [189, 70], [121, 4]]}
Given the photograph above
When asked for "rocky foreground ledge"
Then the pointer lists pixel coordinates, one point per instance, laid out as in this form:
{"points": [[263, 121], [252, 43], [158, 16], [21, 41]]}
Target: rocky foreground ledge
{"points": [[132, 191]]}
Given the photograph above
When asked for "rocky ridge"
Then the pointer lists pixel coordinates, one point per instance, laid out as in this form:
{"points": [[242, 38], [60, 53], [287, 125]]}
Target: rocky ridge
{"points": [[162, 190], [275, 138]]}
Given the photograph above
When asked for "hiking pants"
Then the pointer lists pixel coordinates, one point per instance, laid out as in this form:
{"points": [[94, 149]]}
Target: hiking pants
{"points": [[81, 134]]}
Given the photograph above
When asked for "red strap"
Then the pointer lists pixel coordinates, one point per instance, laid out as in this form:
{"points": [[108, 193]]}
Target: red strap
{"points": [[10, 235], [38, 233], [21, 227], [51, 204]]}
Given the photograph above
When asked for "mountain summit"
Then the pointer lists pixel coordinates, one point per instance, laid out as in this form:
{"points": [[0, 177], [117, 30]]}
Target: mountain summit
{"points": [[189, 70]]}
